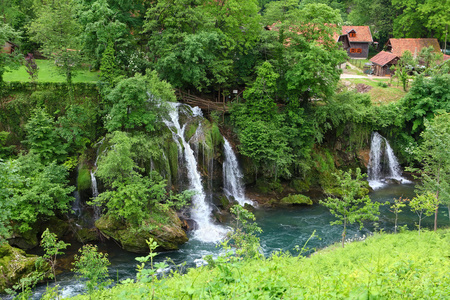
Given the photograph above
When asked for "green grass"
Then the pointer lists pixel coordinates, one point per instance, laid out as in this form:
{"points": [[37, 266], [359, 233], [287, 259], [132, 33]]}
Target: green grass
{"points": [[378, 94], [48, 73], [385, 266]]}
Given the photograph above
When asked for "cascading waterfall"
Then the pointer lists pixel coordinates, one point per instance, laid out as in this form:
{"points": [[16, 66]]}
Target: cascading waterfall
{"points": [[232, 176], [94, 185], [206, 231], [382, 163]]}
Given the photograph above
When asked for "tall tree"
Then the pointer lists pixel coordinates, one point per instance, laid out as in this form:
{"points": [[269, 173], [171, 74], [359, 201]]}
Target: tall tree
{"points": [[8, 60], [434, 156], [57, 30]]}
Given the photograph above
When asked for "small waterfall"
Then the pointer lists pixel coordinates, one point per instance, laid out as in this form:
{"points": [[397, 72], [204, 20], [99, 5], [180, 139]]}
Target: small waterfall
{"points": [[232, 176], [94, 185], [207, 231], [382, 163], [77, 207]]}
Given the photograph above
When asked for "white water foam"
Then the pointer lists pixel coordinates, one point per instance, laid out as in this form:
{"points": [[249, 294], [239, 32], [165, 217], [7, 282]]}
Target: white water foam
{"points": [[383, 163], [206, 231], [232, 176]]}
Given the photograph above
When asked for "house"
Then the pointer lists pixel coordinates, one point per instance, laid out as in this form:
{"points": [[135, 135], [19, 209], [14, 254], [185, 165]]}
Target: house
{"points": [[9, 47], [382, 63], [360, 39], [398, 46]]}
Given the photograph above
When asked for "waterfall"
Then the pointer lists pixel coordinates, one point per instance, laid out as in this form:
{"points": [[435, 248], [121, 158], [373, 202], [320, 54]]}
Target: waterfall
{"points": [[232, 176], [94, 185], [382, 163], [206, 231]]}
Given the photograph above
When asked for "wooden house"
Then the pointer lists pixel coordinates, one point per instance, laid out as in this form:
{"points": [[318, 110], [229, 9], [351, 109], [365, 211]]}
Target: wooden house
{"points": [[382, 63], [360, 39], [398, 46], [9, 47]]}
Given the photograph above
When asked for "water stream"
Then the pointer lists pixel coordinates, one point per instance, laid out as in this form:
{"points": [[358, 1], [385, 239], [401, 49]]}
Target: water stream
{"points": [[283, 229]]}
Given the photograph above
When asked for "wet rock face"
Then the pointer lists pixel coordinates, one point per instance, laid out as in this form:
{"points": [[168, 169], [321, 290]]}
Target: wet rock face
{"points": [[16, 264], [168, 235]]}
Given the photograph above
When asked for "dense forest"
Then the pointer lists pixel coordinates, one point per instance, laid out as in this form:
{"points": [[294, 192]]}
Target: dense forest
{"points": [[271, 73]]}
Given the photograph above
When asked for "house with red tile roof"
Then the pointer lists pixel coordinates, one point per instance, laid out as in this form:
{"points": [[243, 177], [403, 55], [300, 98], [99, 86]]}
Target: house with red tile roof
{"points": [[382, 63], [360, 39], [398, 46]]}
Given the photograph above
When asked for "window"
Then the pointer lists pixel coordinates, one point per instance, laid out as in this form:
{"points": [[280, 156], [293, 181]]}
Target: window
{"points": [[352, 34], [355, 50]]}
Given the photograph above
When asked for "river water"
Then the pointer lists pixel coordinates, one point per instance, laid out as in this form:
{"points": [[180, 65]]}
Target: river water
{"points": [[283, 229]]}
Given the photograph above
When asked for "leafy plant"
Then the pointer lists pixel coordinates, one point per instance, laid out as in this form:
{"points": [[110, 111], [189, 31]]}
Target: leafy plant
{"points": [[351, 207], [396, 208], [31, 67], [424, 205], [93, 266], [52, 248]]}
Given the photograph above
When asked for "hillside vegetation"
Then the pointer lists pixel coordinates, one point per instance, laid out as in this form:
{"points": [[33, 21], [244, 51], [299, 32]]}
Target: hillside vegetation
{"points": [[384, 266]]}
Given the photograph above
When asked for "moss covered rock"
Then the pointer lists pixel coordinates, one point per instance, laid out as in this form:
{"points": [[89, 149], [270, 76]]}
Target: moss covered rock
{"points": [[86, 235], [296, 200], [169, 235], [84, 179], [16, 264], [26, 240]]}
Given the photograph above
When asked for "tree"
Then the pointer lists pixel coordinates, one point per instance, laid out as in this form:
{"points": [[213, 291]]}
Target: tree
{"points": [[43, 138], [138, 103], [132, 196], [52, 248], [351, 206], [8, 177], [93, 266], [101, 28], [8, 61], [244, 234], [424, 204], [396, 208], [40, 191], [434, 156], [426, 98], [31, 67], [57, 30], [108, 65]]}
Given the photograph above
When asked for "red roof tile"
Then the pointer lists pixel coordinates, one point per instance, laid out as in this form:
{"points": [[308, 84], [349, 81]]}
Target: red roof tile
{"points": [[363, 33], [398, 46], [383, 58]]}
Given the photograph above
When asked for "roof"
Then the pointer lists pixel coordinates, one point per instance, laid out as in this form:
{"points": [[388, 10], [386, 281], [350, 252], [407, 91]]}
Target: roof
{"points": [[383, 58], [446, 57], [398, 46], [363, 33]]}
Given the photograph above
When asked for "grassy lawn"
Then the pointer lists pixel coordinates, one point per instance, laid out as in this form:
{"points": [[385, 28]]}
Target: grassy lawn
{"points": [[48, 73], [379, 94]]}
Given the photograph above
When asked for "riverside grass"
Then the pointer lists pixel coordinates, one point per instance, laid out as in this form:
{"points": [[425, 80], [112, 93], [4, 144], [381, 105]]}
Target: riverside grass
{"points": [[383, 266]]}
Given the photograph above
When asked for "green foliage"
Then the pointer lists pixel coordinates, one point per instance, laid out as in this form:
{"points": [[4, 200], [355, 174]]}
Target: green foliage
{"points": [[427, 97], [56, 29], [396, 208], [297, 199], [383, 266], [40, 191], [424, 206], [52, 248], [244, 235], [8, 61], [92, 266], [108, 65], [351, 207], [7, 180], [138, 103], [433, 155], [131, 195], [43, 138]]}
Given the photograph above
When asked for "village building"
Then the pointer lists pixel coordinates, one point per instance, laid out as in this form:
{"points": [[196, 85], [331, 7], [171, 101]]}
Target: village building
{"points": [[360, 39], [382, 63], [9, 47], [399, 46]]}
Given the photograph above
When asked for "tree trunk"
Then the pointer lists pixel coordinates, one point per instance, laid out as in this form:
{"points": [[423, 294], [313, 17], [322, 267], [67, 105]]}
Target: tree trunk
{"points": [[344, 233]]}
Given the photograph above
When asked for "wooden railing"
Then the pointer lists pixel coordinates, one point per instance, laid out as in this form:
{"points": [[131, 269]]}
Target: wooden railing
{"points": [[202, 103]]}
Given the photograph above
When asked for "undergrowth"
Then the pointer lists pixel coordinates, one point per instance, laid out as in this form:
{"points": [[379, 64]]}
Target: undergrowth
{"points": [[384, 266]]}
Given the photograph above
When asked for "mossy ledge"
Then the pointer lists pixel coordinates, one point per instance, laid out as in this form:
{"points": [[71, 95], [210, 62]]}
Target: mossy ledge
{"points": [[168, 234]]}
